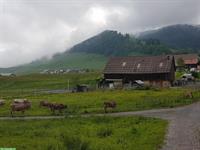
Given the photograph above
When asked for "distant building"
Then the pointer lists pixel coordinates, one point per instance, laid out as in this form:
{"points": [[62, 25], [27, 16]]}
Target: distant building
{"points": [[152, 70], [62, 71], [8, 74], [187, 60]]}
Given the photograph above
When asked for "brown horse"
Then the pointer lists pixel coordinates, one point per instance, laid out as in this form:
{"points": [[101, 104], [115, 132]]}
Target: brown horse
{"points": [[188, 95], [110, 104], [54, 106], [20, 106]]}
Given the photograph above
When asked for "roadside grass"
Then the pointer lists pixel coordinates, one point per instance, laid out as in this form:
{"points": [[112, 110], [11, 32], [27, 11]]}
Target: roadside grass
{"points": [[92, 102], [94, 133]]}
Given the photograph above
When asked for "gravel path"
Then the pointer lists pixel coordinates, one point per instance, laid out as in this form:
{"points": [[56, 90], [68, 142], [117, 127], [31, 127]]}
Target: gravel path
{"points": [[184, 124]]}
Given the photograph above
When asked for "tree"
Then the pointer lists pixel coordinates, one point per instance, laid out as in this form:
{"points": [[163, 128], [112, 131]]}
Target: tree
{"points": [[180, 62]]}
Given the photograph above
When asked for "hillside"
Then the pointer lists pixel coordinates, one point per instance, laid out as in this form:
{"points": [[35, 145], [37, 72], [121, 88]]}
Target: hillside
{"points": [[113, 43], [94, 52], [186, 38], [61, 61]]}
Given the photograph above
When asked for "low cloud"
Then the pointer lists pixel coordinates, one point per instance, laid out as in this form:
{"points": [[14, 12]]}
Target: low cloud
{"points": [[32, 29]]}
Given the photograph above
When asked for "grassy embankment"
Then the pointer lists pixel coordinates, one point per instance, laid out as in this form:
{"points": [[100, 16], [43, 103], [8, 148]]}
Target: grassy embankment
{"points": [[95, 133]]}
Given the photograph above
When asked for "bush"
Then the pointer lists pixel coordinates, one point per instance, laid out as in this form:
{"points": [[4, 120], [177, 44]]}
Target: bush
{"points": [[195, 74]]}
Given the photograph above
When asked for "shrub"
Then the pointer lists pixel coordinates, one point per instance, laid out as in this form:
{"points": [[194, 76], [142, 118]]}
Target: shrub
{"points": [[195, 74]]}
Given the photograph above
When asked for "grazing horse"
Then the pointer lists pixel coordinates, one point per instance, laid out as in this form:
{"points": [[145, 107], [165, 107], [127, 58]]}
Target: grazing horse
{"points": [[59, 107], [2, 102], [111, 104], [20, 106], [188, 95]]}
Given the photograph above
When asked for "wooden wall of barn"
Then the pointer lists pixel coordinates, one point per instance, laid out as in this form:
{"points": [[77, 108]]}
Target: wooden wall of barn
{"points": [[143, 77]]}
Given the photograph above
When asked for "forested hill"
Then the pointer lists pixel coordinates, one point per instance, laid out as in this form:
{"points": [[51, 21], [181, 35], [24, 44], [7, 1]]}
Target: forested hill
{"points": [[113, 43], [182, 37]]}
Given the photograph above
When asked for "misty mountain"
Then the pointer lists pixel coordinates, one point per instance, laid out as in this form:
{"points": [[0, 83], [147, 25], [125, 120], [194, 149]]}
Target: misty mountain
{"points": [[185, 38], [94, 52]]}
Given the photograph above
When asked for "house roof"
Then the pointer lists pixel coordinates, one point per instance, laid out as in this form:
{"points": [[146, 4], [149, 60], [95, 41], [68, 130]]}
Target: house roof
{"points": [[187, 58], [139, 65]]}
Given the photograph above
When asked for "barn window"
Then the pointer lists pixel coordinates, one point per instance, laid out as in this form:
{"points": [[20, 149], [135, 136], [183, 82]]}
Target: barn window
{"points": [[138, 66], [124, 64], [161, 64]]}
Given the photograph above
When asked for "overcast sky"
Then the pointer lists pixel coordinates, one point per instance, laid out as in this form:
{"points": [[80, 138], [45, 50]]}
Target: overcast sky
{"points": [[31, 29]]}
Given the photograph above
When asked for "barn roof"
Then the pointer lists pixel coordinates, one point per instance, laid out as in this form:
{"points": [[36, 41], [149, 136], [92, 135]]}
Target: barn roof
{"points": [[188, 58], [139, 65]]}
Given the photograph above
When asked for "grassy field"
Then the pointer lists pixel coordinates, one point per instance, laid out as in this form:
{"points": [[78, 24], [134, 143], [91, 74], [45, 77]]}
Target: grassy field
{"points": [[95, 133], [80, 103], [40, 81], [92, 102]]}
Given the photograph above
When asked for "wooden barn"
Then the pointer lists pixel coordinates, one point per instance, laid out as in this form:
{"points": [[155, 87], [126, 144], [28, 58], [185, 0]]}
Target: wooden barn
{"points": [[152, 70]]}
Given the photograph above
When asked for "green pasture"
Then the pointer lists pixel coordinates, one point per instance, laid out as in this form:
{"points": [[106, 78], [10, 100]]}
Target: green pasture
{"points": [[92, 102], [45, 81], [94, 133], [91, 133]]}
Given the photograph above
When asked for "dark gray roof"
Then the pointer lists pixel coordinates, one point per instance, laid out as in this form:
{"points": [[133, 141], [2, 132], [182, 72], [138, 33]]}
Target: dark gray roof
{"points": [[139, 65]]}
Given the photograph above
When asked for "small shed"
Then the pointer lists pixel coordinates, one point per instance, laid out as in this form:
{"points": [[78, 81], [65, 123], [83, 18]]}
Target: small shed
{"points": [[152, 70]]}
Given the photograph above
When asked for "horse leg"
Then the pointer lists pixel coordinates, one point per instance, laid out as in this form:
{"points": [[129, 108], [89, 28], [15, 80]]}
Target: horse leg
{"points": [[51, 109], [11, 113]]}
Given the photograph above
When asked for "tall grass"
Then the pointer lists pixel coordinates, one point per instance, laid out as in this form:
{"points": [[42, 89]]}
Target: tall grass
{"points": [[96, 133]]}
